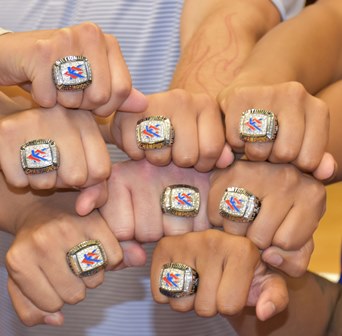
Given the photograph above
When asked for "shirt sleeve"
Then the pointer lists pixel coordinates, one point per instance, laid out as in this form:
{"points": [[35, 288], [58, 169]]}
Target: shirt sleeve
{"points": [[4, 31], [289, 8]]}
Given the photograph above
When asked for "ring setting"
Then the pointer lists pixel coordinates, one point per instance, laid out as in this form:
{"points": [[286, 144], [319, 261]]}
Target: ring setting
{"points": [[257, 125], [39, 156], [181, 200], [178, 280], [239, 205], [154, 132], [87, 258], [72, 73]]}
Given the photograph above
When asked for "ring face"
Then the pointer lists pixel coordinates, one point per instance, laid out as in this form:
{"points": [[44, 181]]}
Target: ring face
{"points": [[154, 132], [87, 258], [72, 73], [39, 156], [178, 280], [258, 126], [181, 200], [239, 205]]}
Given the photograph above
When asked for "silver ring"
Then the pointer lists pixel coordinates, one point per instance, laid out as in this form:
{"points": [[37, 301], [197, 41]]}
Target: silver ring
{"points": [[87, 258], [178, 280], [72, 73], [258, 125], [180, 200], [39, 156], [239, 205], [154, 132]]}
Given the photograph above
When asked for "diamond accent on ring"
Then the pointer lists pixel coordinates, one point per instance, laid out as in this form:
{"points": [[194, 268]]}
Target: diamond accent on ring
{"points": [[39, 156], [181, 200], [72, 73], [154, 132], [239, 205], [87, 258], [258, 125], [178, 280]]}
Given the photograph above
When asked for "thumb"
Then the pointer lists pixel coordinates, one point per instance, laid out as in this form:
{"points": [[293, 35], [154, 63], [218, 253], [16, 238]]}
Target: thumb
{"points": [[135, 102]]}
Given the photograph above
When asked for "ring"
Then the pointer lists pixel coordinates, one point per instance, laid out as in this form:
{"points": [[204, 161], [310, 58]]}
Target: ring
{"points": [[178, 280], [72, 73], [39, 156], [87, 258], [258, 125], [154, 132], [239, 205], [180, 200]]}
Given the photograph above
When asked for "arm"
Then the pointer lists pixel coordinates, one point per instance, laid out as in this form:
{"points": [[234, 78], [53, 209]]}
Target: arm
{"points": [[294, 48], [216, 39], [315, 308]]}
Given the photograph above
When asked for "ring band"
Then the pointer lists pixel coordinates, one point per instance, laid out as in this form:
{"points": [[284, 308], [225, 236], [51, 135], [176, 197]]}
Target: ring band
{"points": [[239, 205], [178, 280], [39, 156], [258, 125], [87, 258], [154, 132], [72, 73], [180, 200]]}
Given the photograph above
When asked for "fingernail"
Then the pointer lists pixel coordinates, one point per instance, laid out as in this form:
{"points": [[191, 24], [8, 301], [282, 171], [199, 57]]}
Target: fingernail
{"points": [[269, 310], [53, 319], [274, 259]]}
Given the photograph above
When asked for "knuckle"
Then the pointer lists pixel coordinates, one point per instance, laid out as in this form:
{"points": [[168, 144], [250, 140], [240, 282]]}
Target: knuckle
{"points": [[284, 155], [229, 309], [14, 260], [29, 318], [91, 29], [296, 90], [76, 296], [185, 161]]}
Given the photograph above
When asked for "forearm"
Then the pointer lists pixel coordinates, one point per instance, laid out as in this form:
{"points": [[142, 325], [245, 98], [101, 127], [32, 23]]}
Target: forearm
{"points": [[313, 303], [305, 49], [216, 38]]}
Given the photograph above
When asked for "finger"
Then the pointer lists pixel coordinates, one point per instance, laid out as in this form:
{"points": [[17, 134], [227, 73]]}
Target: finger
{"points": [[185, 153], [290, 135], [119, 84], [234, 287], [315, 137], [211, 138], [258, 151], [135, 102], [293, 263], [94, 47], [118, 211], [127, 123], [28, 313], [303, 218], [273, 297], [273, 211], [133, 254], [147, 215], [95, 150], [327, 168], [91, 198], [32, 287], [226, 158], [210, 273]]}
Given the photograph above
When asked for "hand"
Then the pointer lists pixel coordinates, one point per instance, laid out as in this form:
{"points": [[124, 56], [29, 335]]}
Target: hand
{"points": [[287, 218], [303, 123], [199, 135], [41, 282], [230, 272], [27, 58], [133, 209], [84, 159]]}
